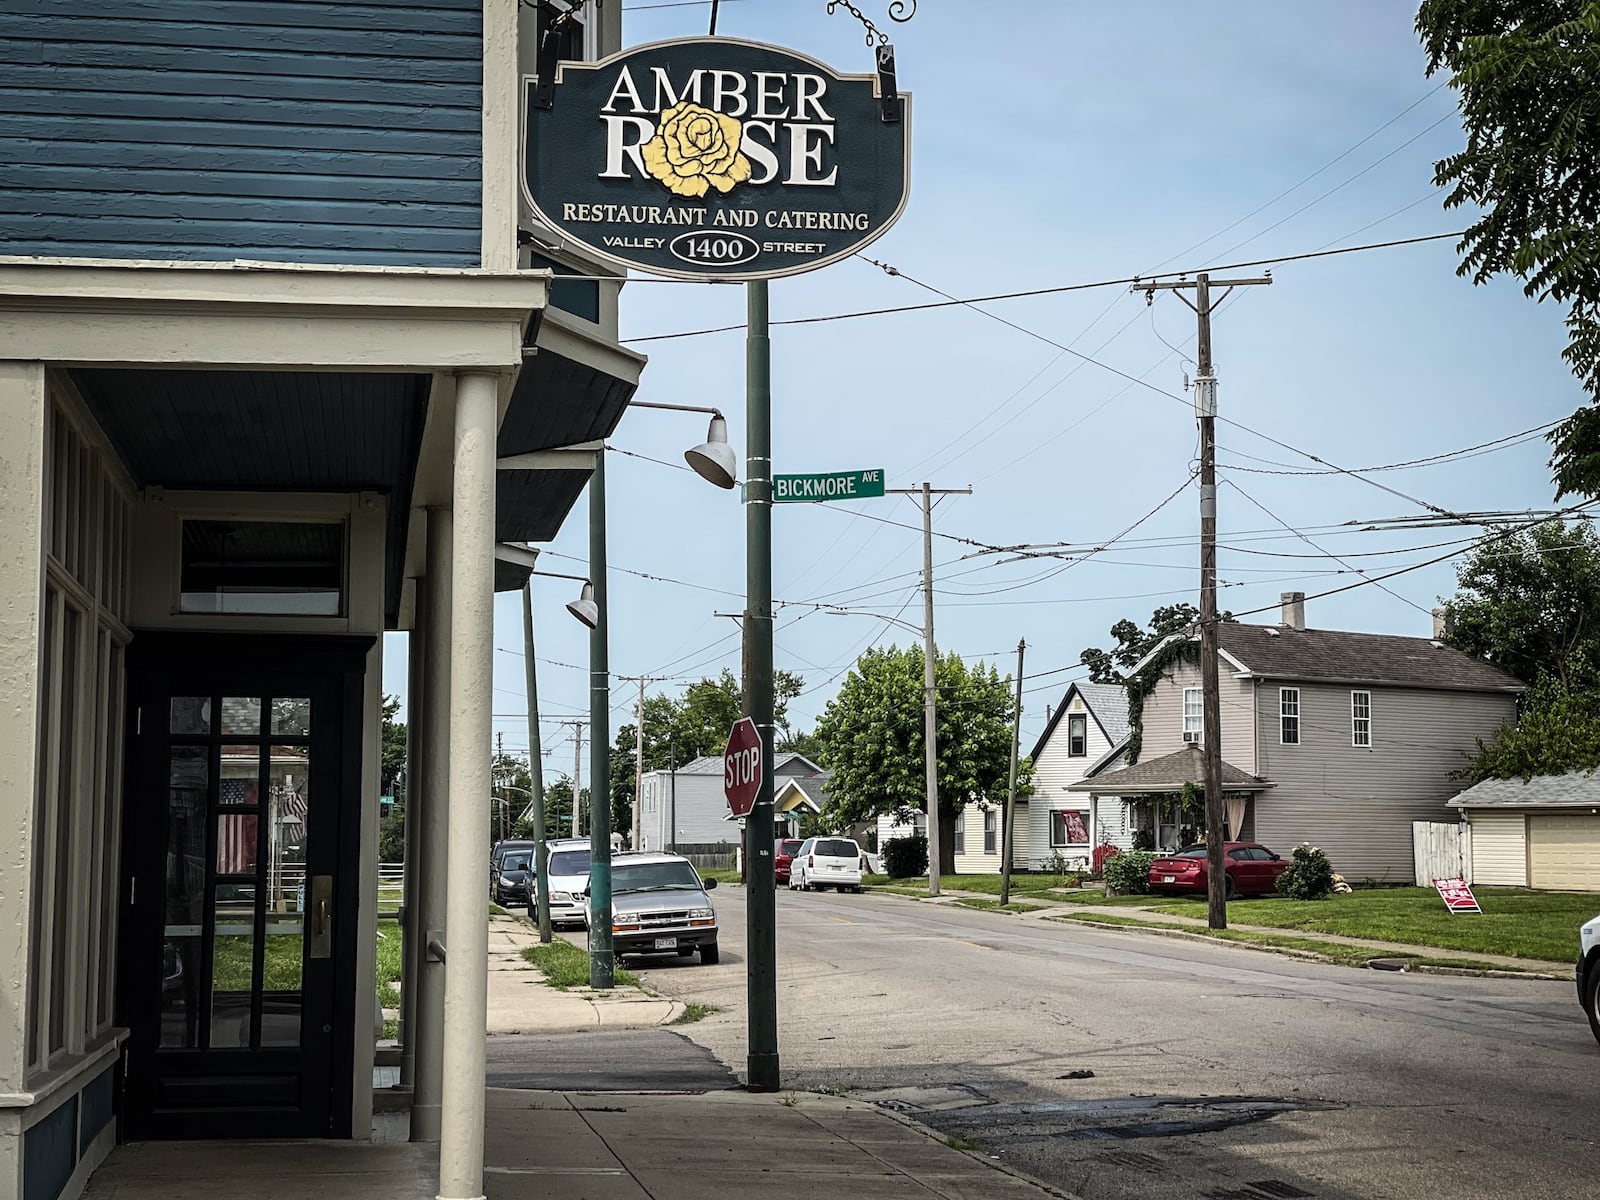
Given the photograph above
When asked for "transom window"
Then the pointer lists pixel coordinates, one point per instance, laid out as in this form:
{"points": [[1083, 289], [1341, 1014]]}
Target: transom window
{"points": [[291, 568], [1077, 735], [1193, 714], [1289, 716], [1361, 718]]}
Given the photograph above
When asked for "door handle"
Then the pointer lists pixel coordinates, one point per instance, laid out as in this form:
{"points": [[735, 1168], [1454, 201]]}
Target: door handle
{"points": [[322, 916]]}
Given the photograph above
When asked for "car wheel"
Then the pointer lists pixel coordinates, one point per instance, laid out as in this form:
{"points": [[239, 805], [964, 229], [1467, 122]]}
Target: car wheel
{"points": [[708, 954], [1228, 886], [1591, 997]]}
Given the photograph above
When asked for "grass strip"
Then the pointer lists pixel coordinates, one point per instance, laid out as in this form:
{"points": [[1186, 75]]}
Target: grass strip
{"points": [[1333, 952], [984, 904], [692, 1012], [565, 966]]}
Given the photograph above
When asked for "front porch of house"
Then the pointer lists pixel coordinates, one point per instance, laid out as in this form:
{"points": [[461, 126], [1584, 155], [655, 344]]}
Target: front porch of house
{"points": [[1164, 800]]}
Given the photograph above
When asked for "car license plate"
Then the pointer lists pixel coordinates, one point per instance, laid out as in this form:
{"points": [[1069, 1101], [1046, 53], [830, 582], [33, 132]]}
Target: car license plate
{"points": [[1169, 879], [670, 943]]}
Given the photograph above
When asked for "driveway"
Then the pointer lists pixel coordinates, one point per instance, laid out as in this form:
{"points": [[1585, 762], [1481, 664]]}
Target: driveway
{"points": [[1124, 1065]]}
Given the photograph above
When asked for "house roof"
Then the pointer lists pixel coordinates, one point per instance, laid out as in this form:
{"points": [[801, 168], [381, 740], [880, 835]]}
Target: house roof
{"points": [[1336, 656], [1167, 774], [1575, 789], [1107, 702]]}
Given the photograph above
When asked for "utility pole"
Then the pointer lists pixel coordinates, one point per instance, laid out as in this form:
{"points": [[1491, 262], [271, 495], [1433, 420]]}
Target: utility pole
{"points": [[499, 757], [930, 694], [1011, 789], [578, 727], [1205, 403], [638, 748], [541, 843]]}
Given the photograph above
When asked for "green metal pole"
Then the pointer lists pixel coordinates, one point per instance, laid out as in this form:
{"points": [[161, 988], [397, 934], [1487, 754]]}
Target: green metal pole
{"points": [[541, 854], [602, 962], [760, 894]]}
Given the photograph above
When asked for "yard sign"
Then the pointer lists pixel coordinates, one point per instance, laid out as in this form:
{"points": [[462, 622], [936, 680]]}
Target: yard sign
{"points": [[1457, 895]]}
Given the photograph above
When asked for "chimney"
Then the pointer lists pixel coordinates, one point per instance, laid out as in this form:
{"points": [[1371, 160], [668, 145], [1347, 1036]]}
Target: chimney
{"points": [[1444, 624], [1294, 610]]}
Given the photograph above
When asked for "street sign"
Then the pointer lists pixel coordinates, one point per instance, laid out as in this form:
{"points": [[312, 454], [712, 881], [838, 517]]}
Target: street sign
{"points": [[714, 158], [833, 485], [1457, 895], [741, 767]]}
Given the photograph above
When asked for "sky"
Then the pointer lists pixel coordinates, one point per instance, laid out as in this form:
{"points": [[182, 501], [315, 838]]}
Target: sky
{"points": [[1060, 142]]}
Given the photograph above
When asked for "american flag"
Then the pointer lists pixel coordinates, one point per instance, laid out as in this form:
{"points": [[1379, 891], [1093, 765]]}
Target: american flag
{"points": [[236, 833], [292, 806]]}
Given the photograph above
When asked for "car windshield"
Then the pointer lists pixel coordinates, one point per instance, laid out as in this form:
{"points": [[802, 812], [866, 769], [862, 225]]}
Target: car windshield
{"points": [[837, 848], [569, 862], [516, 862], [653, 877], [791, 848]]}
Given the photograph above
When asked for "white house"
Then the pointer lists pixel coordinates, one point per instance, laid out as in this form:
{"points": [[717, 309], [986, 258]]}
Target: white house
{"points": [[1086, 736]]}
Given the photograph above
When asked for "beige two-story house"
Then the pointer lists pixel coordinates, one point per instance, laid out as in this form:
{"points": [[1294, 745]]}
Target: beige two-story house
{"points": [[1337, 739]]}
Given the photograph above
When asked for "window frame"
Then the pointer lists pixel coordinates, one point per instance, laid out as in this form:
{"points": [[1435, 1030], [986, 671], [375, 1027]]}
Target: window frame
{"points": [[1285, 716], [961, 832], [991, 832], [1356, 719], [1077, 743], [1199, 730]]}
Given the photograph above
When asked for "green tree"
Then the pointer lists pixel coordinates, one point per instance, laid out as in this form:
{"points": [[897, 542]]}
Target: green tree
{"points": [[1528, 76], [1530, 604], [558, 810], [394, 748], [1133, 643], [871, 736]]}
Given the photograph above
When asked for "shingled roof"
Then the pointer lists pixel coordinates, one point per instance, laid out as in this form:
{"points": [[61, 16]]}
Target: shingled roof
{"points": [[1107, 702], [1575, 789], [1280, 652], [1167, 774]]}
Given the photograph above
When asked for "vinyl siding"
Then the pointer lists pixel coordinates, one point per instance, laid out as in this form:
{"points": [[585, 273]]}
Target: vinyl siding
{"points": [[1163, 717], [702, 809], [1499, 847], [289, 131], [1358, 803], [1052, 773]]}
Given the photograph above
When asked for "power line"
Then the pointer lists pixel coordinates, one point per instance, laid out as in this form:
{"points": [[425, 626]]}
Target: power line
{"points": [[1500, 443], [1125, 281]]}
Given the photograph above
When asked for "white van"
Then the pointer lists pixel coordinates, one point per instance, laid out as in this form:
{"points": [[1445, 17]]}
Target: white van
{"points": [[826, 862]]}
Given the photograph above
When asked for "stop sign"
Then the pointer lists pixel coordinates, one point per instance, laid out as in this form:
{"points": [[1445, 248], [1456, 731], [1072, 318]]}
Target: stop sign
{"points": [[742, 766]]}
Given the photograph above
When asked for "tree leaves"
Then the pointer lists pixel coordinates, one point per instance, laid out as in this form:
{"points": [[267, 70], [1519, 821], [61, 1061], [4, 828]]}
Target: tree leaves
{"points": [[1528, 75]]}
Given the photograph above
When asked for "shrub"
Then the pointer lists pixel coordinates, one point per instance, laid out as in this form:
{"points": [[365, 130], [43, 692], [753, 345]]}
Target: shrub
{"points": [[1308, 877], [1129, 873], [905, 857]]}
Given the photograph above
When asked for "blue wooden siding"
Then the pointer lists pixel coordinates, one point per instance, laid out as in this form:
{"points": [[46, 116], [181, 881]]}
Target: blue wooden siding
{"points": [[285, 130]]}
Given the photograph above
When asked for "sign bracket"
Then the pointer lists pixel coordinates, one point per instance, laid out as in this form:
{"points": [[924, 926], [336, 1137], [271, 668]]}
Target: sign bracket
{"points": [[888, 88]]}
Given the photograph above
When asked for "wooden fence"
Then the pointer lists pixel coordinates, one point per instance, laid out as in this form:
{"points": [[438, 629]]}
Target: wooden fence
{"points": [[1441, 851]]}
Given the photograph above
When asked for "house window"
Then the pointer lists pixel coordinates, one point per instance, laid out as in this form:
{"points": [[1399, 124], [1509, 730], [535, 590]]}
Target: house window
{"points": [[1289, 716], [1077, 735], [291, 568], [1068, 828], [1193, 715], [961, 833], [1361, 718], [990, 826]]}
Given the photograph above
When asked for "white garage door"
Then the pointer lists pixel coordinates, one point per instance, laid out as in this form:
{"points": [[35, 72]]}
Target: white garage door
{"points": [[1564, 851]]}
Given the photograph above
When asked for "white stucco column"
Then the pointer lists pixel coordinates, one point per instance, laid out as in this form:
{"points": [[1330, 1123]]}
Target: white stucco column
{"points": [[22, 408], [471, 692], [432, 725]]}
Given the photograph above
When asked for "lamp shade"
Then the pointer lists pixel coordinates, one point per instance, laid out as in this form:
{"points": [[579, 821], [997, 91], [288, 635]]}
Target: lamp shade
{"points": [[713, 460], [584, 607]]}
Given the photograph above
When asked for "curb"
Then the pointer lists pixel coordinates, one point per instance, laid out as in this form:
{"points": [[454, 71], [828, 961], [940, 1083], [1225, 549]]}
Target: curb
{"points": [[1313, 956]]}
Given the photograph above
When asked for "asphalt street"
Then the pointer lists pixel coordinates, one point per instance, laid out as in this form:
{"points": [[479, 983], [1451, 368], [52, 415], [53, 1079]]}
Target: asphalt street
{"points": [[1123, 1065]]}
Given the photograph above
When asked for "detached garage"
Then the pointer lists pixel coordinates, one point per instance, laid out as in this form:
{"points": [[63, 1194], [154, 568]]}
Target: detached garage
{"points": [[1544, 833]]}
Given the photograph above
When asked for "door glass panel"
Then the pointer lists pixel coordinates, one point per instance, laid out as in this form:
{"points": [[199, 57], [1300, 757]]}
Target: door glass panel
{"points": [[288, 811], [291, 716], [241, 715], [190, 715], [185, 871], [232, 966], [236, 843], [241, 776]]}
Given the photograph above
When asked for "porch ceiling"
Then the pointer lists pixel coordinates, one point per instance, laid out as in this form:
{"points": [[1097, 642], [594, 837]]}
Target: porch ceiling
{"points": [[268, 431]]}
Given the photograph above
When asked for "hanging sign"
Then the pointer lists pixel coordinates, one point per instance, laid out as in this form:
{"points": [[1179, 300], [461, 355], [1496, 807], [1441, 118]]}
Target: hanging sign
{"points": [[713, 158], [1457, 895], [836, 485]]}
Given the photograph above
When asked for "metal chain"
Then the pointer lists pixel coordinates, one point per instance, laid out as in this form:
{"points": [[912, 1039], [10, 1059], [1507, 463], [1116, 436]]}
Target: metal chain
{"points": [[872, 30]]}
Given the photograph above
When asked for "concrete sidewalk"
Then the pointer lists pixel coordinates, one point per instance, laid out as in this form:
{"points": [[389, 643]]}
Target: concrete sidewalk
{"points": [[577, 1146]]}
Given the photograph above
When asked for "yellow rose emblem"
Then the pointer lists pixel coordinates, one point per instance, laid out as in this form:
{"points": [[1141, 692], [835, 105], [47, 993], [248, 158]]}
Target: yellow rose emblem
{"points": [[695, 149]]}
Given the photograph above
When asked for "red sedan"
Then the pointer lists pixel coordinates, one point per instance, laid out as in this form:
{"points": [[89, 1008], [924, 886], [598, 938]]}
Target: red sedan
{"points": [[783, 852], [1252, 870]]}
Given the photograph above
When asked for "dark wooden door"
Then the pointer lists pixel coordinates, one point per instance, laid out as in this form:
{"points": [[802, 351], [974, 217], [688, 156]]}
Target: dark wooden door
{"points": [[241, 824]]}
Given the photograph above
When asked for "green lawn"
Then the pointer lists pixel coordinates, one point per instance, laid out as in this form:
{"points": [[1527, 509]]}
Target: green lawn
{"points": [[722, 875], [1335, 952], [390, 956], [1514, 921], [987, 905], [565, 966]]}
